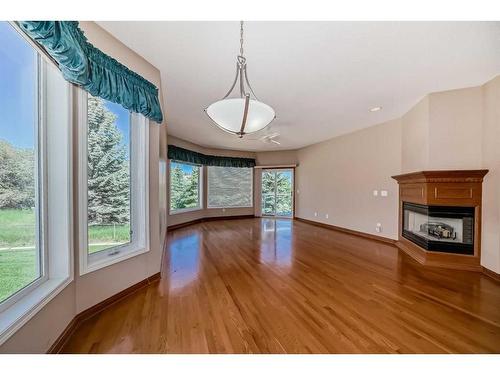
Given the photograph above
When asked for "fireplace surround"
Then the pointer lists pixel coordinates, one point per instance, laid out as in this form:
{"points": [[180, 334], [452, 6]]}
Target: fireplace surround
{"points": [[440, 217]]}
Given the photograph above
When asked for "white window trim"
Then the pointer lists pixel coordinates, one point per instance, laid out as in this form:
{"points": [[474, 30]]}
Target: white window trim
{"points": [[18, 309], [141, 243], [200, 189], [229, 207]]}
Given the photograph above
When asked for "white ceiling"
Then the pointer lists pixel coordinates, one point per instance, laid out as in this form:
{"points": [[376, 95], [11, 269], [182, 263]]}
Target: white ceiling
{"points": [[321, 77]]}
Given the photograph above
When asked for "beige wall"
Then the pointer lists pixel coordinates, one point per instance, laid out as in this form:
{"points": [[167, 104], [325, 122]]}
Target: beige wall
{"points": [[269, 158], [490, 247], [415, 138], [41, 331], [439, 125], [85, 291], [455, 129], [337, 177]]}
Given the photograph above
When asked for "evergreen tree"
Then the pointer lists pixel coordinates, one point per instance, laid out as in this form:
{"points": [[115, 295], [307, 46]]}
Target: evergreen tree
{"points": [[183, 188], [177, 187], [190, 197], [108, 168], [283, 192]]}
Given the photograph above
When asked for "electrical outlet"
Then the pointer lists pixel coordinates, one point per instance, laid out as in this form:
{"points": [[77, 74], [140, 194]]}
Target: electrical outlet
{"points": [[326, 216], [375, 193], [315, 214], [378, 228], [383, 193]]}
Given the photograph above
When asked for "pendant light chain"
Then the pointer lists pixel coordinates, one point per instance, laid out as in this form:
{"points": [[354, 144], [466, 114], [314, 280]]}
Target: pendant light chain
{"points": [[241, 38]]}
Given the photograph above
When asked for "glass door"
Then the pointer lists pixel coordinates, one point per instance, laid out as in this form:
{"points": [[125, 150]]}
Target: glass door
{"points": [[277, 192]]}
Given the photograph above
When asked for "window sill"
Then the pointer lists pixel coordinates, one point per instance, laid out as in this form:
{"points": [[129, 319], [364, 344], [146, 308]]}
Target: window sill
{"points": [[227, 207], [107, 261], [184, 210], [13, 318]]}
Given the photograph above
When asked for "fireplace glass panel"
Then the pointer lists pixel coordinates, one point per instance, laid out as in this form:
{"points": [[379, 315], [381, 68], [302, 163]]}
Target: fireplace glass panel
{"points": [[440, 228]]}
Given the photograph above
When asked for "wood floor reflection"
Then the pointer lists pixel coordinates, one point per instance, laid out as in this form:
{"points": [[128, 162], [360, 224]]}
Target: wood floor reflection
{"points": [[282, 286]]}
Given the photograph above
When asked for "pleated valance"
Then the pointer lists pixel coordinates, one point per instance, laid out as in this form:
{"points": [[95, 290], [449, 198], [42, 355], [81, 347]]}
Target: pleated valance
{"points": [[182, 154], [83, 64]]}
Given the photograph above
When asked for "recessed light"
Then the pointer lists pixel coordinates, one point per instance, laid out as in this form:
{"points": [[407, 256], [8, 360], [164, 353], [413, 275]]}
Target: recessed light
{"points": [[375, 109]]}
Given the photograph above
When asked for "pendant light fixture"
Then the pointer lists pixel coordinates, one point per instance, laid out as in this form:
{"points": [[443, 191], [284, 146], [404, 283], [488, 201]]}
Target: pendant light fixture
{"points": [[243, 114]]}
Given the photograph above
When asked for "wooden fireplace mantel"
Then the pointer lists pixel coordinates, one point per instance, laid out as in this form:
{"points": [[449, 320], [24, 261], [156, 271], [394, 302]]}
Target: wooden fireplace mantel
{"points": [[443, 188]]}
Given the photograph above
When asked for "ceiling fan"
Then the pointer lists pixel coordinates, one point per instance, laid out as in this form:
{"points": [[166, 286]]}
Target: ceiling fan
{"points": [[271, 138]]}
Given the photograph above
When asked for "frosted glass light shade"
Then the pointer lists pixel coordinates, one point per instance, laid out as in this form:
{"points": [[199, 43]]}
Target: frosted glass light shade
{"points": [[228, 115]]}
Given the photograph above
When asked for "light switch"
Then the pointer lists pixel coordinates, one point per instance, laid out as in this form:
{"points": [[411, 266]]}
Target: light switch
{"points": [[383, 193], [375, 193], [315, 214]]}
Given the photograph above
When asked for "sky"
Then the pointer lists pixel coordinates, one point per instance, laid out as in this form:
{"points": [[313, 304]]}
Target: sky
{"points": [[186, 168], [18, 91], [17, 88], [122, 120]]}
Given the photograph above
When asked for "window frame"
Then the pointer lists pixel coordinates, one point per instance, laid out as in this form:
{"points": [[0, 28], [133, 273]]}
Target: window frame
{"points": [[228, 207], [200, 188], [40, 148], [53, 179], [139, 194]]}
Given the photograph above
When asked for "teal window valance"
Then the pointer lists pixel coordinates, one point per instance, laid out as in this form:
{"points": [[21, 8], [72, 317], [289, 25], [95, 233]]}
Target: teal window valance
{"points": [[85, 65], [182, 154]]}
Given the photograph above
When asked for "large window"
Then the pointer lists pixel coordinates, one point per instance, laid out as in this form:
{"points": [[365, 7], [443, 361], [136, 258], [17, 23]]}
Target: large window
{"points": [[230, 187], [21, 248], [108, 177], [185, 187], [114, 183], [35, 181]]}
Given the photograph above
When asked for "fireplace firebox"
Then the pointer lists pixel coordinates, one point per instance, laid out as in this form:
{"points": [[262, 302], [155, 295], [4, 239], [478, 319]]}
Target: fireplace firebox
{"points": [[439, 228]]}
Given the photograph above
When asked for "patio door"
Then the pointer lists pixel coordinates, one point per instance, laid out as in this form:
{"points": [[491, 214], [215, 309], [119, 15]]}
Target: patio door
{"points": [[277, 192]]}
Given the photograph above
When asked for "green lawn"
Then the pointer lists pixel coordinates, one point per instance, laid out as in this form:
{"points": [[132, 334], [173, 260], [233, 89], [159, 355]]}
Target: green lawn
{"points": [[109, 233], [17, 228], [103, 236], [18, 265], [18, 268]]}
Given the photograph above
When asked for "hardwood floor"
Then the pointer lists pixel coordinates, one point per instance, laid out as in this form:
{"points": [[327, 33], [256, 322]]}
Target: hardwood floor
{"points": [[282, 286]]}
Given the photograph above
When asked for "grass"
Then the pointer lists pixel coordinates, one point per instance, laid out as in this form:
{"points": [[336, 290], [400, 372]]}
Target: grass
{"points": [[18, 268], [116, 233], [103, 236], [17, 228], [18, 263]]}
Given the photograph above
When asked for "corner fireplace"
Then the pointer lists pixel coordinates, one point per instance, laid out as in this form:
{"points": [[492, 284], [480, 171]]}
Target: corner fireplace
{"points": [[440, 217], [439, 228]]}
